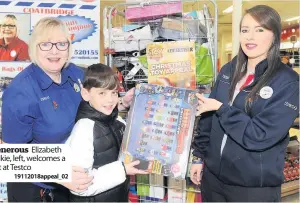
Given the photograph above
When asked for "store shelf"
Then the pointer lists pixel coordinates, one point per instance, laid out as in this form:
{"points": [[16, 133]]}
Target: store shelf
{"points": [[290, 188], [297, 69]]}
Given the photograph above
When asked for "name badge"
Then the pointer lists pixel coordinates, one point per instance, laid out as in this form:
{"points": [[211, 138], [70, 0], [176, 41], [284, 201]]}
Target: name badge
{"points": [[266, 92], [76, 87], [13, 53]]}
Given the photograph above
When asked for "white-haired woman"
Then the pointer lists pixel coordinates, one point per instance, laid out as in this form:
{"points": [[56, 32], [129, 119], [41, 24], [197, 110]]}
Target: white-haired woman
{"points": [[11, 47]]}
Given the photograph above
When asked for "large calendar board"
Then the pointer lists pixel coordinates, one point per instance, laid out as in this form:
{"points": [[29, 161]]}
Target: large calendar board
{"points": [[159, 129]]}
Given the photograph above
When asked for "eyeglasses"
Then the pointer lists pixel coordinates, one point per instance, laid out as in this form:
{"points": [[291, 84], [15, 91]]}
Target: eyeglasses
{"points": [[47, 46], [9, 26]]}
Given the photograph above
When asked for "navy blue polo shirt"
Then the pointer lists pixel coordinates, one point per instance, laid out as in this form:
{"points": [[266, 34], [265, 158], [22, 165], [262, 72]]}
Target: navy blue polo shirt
{"points": [[37, 110]]}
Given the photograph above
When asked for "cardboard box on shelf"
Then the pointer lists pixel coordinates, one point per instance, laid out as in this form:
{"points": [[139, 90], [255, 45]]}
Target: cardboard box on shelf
{"points": [[152, 11]]}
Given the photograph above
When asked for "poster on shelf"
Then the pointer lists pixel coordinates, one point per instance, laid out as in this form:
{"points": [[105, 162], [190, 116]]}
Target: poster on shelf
{"points": [[172, 64], [17, 19]]}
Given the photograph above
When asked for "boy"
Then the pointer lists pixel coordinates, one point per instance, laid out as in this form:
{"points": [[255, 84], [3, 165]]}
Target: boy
{"points": [[96, 138]]}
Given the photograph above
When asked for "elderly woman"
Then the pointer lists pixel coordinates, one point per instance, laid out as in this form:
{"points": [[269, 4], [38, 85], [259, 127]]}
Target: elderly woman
{"points": [[11, 47], [40, 106]]}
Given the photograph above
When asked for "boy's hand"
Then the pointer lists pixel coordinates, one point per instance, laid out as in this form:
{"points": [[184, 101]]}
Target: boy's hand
{"points": [[80, 180], [196, 173], [127, 99], [131, 170]]}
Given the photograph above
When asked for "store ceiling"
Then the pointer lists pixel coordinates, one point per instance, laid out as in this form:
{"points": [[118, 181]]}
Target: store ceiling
{"points": [[286, 8]]}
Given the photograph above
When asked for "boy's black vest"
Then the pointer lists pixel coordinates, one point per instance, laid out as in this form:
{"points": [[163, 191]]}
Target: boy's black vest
{"points": [[107, 133]]}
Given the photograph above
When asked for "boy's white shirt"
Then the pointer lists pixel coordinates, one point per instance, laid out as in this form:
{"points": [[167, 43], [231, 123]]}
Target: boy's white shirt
{"points": [[82, 150]]}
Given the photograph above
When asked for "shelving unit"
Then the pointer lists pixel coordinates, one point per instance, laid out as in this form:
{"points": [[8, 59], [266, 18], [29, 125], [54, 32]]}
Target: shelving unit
{"points": [[154, 187], [290, 188]]}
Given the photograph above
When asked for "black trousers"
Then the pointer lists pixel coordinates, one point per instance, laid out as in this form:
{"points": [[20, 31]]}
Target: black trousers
{"points": [[213, 190], [28, 192], [116, 194]]}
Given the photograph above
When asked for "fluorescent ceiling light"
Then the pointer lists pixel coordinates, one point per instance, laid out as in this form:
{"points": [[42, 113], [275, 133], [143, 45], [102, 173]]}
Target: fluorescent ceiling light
{"points": [[229, 9], [291, 19]]}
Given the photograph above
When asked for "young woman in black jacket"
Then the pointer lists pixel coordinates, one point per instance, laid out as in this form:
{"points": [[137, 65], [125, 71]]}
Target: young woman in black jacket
{"points": [[243, 130]]}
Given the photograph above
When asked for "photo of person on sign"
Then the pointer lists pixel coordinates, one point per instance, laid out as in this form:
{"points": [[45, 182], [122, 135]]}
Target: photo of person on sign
{"points": [[12, 48]]}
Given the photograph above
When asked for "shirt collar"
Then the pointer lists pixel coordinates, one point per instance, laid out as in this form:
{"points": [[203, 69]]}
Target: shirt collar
{"points": [[2, 43], [11, 44], [85, 110], [45, 81], [259, 69]]}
